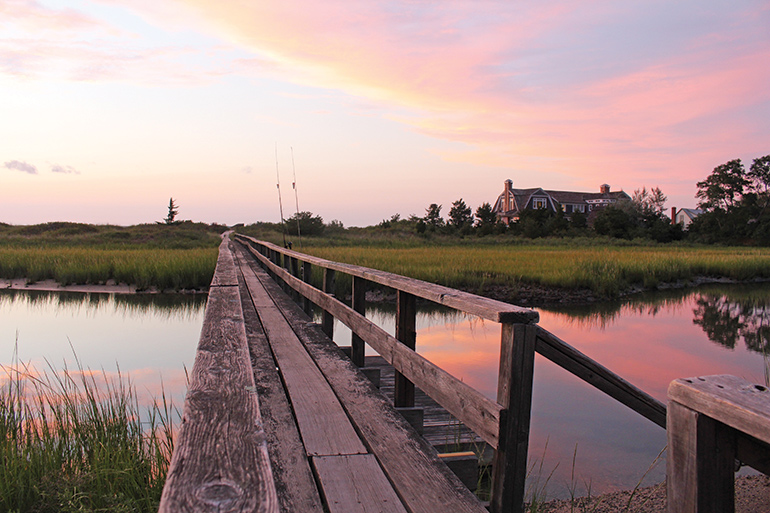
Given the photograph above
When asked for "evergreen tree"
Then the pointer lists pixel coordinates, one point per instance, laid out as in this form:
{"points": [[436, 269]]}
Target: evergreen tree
{"points": [[173, 210]]}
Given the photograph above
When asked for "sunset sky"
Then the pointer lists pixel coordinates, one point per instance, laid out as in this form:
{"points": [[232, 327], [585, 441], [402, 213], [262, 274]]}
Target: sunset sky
{"points": [[110, 107]]}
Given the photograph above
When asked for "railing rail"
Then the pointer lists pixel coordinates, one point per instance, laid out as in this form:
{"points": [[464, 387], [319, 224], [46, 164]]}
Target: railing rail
{"points": [[503, 424]]}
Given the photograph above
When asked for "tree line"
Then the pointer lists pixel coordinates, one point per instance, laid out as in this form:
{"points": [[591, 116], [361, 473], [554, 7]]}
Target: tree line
{"points": [[734, 204]]}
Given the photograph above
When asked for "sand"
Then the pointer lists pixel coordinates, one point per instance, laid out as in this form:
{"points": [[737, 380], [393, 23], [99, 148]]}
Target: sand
{"points": [[752, 495]]}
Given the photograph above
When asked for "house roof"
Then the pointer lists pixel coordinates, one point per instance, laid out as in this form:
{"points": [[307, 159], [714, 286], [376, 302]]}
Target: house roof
{"points": [[522, 197], [692, 213]]}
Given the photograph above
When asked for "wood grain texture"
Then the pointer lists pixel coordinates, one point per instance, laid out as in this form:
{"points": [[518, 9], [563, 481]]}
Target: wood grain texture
{"points": [[572, 360], [700, 463], [323, 423], [514, 394], [220, 461], [406, 333], [224, 274], [356, 484], [294, 482], [476, 305], [423, 482], [358, 300], [730, 400], [461, 400]]}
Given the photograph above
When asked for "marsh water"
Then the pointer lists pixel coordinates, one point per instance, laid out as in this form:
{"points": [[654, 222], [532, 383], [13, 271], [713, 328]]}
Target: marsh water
{"points": [[648, 340]]}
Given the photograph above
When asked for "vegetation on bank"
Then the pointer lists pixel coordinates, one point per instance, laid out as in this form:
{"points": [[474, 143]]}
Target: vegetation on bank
{"points": [[180, 256], [76, 441]]}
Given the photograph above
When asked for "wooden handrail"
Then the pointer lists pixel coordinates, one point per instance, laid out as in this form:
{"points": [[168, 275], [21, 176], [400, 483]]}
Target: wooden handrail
{"points": [[504, 424], [483, 307]]}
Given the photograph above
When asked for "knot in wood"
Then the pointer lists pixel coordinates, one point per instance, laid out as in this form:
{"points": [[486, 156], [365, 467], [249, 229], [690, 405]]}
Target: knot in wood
{"points": [[223, 494]]}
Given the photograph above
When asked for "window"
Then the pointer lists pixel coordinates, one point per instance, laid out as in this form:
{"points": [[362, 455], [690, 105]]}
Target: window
{"points": [[539, 203]]}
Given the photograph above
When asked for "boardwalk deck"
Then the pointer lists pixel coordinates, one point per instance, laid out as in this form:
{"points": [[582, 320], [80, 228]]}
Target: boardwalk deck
{"points": [[325, 440]]}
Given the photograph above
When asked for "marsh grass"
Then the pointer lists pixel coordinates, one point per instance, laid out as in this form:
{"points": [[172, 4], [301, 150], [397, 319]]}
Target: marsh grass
{"points": [[606, 271], [145, 268], [74, 440]]}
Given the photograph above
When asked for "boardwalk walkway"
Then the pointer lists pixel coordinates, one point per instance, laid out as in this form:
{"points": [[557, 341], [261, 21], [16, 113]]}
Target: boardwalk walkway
{"points": [[332, 442]]}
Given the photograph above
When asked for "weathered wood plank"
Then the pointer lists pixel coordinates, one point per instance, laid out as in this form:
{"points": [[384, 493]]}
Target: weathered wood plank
{"points": [[514, 393], [406, 333], [572, 360], [728, 399], [220, 462], [224, 274], [357, 348], [293, 477], [323, 423], [411, 464], [354, 484], [486, 308], [327, 320], [464, 402], [699, 468]]}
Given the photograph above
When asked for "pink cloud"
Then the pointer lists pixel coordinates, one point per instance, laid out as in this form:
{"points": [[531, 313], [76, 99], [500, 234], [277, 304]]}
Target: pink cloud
{"points": [[489, 75]]}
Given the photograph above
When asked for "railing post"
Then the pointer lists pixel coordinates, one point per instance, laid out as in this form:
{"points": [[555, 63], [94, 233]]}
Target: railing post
{"points": [[307, 270], [327, 323], [514, 394], [357, 354], [406, 332], [294, 272]]}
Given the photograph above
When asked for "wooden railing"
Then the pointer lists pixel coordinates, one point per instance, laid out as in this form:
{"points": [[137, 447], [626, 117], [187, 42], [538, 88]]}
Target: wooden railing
{"points": [[504, 424]]}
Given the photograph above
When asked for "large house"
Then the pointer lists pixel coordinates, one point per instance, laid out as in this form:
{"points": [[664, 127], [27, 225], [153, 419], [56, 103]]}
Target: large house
{"points": [[513, 201]]}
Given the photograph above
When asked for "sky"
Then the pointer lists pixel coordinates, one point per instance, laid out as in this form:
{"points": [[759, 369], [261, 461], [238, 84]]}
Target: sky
{"points": [[108, 108]]}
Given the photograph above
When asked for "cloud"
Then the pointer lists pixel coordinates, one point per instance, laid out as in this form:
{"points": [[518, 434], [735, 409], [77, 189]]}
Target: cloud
{"points": [[67, 170], [21, 166]]}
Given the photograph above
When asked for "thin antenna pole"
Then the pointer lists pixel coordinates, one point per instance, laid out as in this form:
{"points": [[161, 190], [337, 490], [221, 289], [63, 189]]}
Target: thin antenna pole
{"points": [[296, 198], [280, 202]]}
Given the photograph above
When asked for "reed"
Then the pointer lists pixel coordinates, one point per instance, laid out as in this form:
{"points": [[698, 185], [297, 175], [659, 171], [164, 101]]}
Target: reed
{"points": [[145, 268], [606, 270], [75, 441]]}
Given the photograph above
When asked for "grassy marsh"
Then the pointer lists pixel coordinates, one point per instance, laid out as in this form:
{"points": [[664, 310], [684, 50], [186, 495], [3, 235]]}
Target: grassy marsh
{"points": [[74, 440]]}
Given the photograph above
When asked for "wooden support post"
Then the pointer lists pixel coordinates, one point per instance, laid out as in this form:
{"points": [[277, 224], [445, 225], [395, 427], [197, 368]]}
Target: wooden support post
{"points": [[327, 323], [701, 463], [514, 394], [295, 272], [307, 270], [359, 305], [406, 333]]}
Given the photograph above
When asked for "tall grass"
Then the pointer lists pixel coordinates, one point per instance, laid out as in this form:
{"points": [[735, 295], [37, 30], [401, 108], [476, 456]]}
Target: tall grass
{"points": [[607, 271], [144, 268], [75, 441]]}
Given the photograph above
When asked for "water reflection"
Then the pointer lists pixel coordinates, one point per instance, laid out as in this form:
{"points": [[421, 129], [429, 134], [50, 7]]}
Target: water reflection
{"points": [[649, 341], [150, 337]]}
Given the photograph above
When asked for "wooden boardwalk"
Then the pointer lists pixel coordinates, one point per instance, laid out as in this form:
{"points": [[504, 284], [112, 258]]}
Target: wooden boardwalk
{"points": [[278, 418]]}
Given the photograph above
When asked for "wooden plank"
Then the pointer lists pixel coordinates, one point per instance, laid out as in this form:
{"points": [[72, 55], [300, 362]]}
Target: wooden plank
{"points": [[224, 273], [486, 308], [327, 320], [461, 400], [307, 273], [728, 399], [293, 477], [514, 393], [323, 423], [357, 348], [354, 484], [572, 360], [220, 461], [422, 481], [406, 333], [699, 468]]}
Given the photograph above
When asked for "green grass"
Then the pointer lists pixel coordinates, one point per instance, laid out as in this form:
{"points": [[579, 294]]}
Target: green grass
{"points": [[148, 256], [605, 270], [75, 441]]}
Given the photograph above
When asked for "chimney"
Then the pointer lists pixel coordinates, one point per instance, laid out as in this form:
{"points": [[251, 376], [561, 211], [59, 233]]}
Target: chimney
{"points": [[508, 184], [604, 188], [673, 215], [508, 198]]}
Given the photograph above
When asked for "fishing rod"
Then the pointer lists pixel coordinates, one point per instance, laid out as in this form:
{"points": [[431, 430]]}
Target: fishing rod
{"points": [[296, 198], [280, 202]]}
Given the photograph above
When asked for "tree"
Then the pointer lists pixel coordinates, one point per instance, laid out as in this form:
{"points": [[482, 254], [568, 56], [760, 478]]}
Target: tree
{"points": [[759, 177], [723, 188], [615, 222], [460, 215], [307, 223], [649, 203], [486, 219], [433, 216], [173, 210]]}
